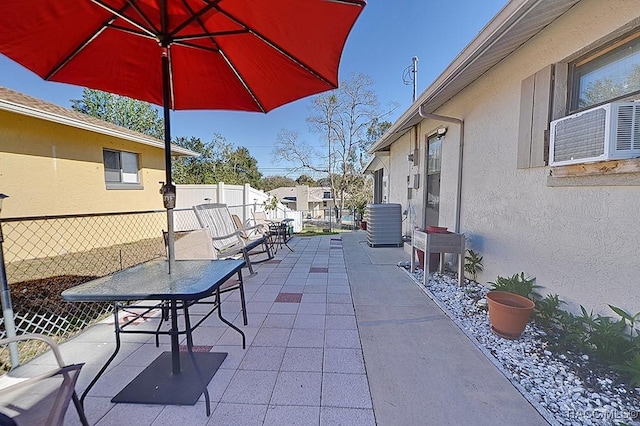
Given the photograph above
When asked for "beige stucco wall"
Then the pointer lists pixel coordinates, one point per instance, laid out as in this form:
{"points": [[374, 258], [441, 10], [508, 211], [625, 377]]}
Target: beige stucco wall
{"points": [[581, 242], [52, 169]]}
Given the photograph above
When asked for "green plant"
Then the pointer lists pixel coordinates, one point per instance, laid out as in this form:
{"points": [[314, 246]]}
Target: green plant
{"points": [[473, 263], [517, 284], [631, 369], [629, 319], [270, 203], [548, 310]]}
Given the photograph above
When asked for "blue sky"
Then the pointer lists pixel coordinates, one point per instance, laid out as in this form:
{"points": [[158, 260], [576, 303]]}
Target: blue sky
{"points": [[385, 38]]}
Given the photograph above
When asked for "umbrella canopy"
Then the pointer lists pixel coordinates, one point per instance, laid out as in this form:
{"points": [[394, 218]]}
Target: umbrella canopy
{"points": [[247, 55]]}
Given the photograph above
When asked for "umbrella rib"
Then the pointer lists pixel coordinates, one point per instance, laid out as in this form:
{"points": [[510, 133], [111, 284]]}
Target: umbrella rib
{"points": [[280, 50], [56, 68], [210, 35], [242, 81], [153, 32], [194, 16]]}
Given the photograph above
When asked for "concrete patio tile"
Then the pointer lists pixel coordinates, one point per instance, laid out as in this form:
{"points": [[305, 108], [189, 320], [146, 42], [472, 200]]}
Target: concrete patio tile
{"points": [[292, 415], [317, 279], [302, 359], [94, 408], [342, 339], [123, 413], [218, 384], [266, 358], [306, 338], [312, 308], [341, 360], [227, 414], [340, 322], [331, 416], [341, 289], [284, 308], [297, 388], [204, 335], [272, 337], [345, 390], [258, 307], [250, 387], [279, 321], [255, 319], [339, 308], [315, 289], [339, 298], [290, 288], [314, 298], [232, 338], [309, 321], [235, 354], [265, 296], [270, 288], [176, 414]]}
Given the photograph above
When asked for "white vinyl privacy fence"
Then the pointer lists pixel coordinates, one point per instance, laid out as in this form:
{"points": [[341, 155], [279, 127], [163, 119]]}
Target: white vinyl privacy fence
{"points": [[242, 200]]}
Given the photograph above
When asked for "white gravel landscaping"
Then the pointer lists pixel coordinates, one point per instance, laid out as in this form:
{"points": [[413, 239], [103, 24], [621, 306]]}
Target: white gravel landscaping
{"points": [[566, 388]]}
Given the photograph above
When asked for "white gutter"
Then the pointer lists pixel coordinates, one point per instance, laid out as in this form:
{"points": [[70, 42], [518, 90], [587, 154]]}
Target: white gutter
{"points": [[80, 124], [460, 156]]}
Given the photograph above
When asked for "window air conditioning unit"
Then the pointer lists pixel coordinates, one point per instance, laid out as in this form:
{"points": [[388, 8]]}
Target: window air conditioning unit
{"points": [[606, 132]]}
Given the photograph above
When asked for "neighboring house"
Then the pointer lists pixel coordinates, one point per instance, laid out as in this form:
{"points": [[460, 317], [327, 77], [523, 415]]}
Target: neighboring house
{"points": [[313, 201], [56, 161], [472, 153]]}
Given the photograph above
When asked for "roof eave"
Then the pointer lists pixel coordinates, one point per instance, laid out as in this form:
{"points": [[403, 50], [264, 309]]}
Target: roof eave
{"points": [[434, 96], [72, 122]]}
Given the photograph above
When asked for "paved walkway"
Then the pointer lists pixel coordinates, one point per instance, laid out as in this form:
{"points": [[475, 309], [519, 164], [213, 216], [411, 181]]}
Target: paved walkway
{"points": [[362, 346]]}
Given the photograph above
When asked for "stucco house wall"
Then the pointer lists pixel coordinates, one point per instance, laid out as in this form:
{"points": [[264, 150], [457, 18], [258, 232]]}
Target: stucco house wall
{"points": [[577, 236], [51, 164], [52, 169]]}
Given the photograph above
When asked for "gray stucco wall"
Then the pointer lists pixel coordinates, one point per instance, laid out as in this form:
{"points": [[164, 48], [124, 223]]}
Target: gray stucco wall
{"points": [[580, 241]]}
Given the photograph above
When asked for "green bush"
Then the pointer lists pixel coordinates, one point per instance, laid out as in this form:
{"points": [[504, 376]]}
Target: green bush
{"points": [[517, 284]]}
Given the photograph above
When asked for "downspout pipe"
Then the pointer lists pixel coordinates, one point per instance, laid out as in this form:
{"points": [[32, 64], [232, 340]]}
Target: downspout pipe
{"points": [[460, 123]]}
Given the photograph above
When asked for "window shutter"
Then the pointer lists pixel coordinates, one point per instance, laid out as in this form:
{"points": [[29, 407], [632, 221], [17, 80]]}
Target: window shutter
{"points": [[535, 110]]}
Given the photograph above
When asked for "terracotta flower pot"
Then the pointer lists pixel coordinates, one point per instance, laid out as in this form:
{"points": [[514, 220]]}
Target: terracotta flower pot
{"points": [[508, 313]]}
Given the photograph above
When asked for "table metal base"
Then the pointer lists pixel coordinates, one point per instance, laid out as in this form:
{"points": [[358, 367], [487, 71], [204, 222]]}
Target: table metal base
{"points": [[156, 384]]}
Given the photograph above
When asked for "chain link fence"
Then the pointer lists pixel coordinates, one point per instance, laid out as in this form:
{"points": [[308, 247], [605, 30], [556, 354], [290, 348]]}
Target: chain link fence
{"points": [[46, 255]]}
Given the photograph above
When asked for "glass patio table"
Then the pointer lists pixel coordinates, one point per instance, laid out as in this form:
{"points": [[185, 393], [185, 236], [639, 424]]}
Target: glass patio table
{"points": [[175, 377]]}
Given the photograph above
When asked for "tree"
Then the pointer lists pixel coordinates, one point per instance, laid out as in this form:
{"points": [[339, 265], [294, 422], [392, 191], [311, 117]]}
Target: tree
{"points": [[349, 121], [219, 161], [306, 180], [195, 170], [125, 112], [268, 183]]}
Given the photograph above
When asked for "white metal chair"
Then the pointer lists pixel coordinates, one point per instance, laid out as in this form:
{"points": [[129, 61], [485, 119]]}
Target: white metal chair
{"points": [[227, 239]]}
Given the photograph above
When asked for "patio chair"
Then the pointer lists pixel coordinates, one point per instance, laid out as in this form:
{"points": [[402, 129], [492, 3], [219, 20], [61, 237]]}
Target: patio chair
{"points": [[38, 399], [227, 239], [197, 245]]}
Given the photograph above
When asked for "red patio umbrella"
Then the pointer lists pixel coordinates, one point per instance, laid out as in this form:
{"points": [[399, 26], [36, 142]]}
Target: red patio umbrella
{"points": [[248, 55]]}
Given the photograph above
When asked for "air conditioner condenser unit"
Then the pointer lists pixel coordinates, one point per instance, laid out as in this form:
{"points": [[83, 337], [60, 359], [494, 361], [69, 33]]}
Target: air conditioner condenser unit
{"points": [[606, 132]]}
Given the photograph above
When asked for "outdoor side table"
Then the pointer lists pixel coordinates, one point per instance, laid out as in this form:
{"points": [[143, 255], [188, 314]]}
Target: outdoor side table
{"points": [[175, 377], [448, 242]]}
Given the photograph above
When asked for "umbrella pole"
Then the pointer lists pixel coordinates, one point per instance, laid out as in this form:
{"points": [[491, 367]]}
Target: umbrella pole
{"points": [[168, 190]]}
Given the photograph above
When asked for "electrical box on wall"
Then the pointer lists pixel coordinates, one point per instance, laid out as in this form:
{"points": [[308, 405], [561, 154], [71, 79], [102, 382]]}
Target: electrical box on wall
{"points": [[414, 157], [413, 182]]}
